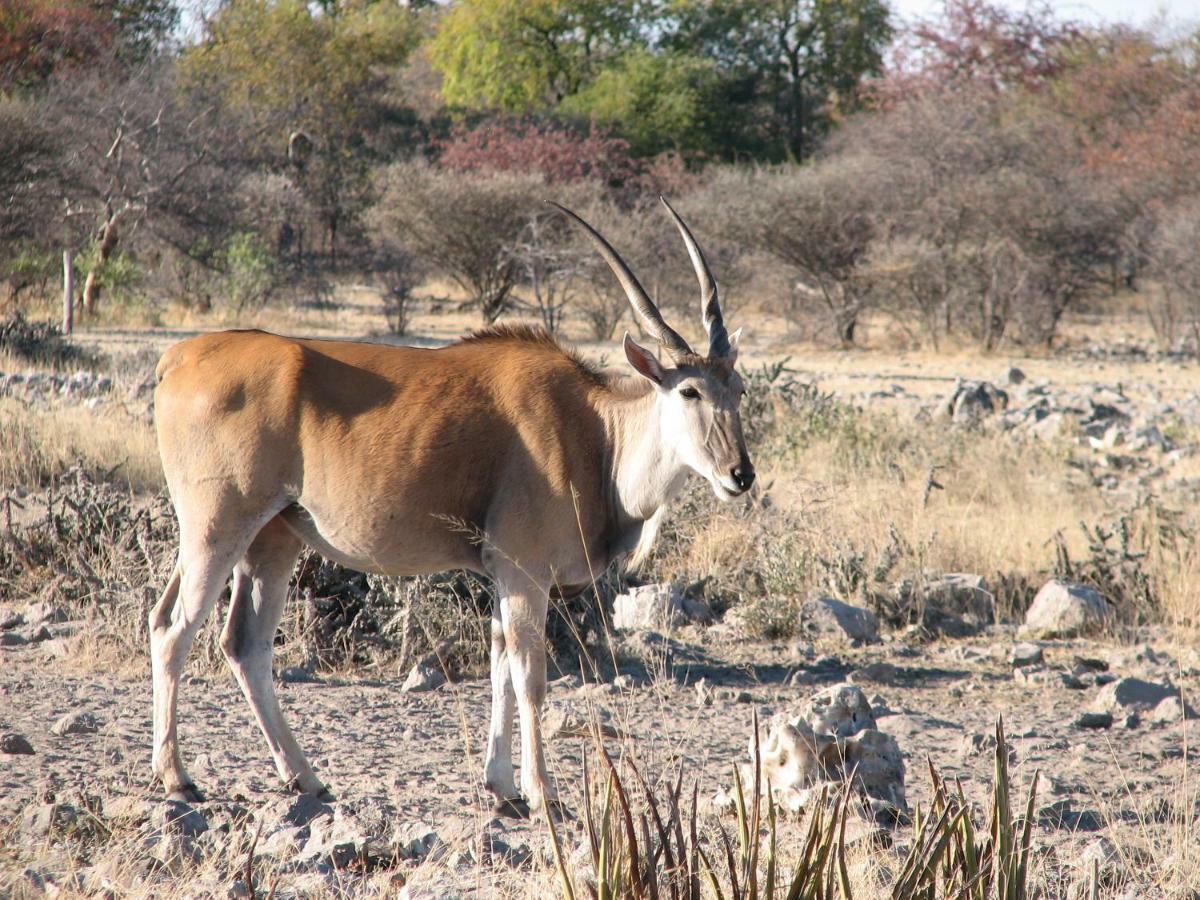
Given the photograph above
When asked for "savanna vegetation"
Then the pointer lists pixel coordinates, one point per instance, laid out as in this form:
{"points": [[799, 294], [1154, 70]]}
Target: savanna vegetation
{"points": [[972, 182], [967, 179]]}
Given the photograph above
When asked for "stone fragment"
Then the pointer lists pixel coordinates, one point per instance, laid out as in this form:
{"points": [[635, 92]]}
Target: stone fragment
{"points": [[830, 617], [1131, 695], [1062, 610], [562, 720], [1170, 710], [834, 734], [1026, 654], [417, 841], [10, 618], [11, 639], [877, 672], [422, 678], [657, 606], [296, 675], [1094, 720], [971, 401], [15, 744], [76, 723]]}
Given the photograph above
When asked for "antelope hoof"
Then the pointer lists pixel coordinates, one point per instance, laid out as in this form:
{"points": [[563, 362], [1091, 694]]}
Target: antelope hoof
{"points": [[187, 793], [321, 792], [559, 811], [514, 808]]}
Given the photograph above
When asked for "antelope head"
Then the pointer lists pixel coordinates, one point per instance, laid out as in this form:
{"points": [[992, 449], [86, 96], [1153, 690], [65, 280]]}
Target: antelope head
{"points": [[698, 395]]}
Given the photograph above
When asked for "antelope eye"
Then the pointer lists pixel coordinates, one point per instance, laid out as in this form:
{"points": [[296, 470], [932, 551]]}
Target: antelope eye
{"points": [[689, 393]]}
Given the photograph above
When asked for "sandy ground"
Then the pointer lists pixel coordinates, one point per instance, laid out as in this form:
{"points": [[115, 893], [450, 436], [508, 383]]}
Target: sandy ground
{"points": [[418, 755], [417, 758]]}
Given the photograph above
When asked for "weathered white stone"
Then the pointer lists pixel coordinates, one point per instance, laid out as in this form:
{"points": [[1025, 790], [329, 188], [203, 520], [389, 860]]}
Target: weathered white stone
{"points": [[831, 617], [1066, 610], [833, 735], [76, 723], [423, 678], [1132, 695], [657, 606]]}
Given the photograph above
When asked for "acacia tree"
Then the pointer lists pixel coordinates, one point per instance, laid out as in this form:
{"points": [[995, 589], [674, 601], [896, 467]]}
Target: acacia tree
{"points": [[521, 56], [461, 226], [306, 91], [802, 62], [136, 157]]}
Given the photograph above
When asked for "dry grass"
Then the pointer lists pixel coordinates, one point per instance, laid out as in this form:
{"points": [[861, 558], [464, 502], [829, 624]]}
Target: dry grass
{"points": [[854, 502], [41, 444]]}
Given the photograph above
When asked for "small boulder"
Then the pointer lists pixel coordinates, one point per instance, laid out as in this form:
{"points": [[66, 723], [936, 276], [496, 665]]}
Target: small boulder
{"points": [[15, 744], [10, 618], [76, 723], [656, 607], [840, 710], [1093, 720], [1131, 695], [1062, 610], [957, 605], [423, 678], [180, 818], [417, 841], [1171, 710], [971, 401], [11, 639], [1026, 654], [833, 618], [563, 721], [44, 613]]}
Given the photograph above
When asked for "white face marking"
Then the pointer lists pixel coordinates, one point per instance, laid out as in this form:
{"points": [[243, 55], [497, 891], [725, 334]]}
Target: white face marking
{"points": [[702, 425]]}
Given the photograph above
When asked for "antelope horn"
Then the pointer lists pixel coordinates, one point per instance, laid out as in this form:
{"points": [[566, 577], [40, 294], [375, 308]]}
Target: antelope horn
{"points": [[670, 340], [710, 300]]}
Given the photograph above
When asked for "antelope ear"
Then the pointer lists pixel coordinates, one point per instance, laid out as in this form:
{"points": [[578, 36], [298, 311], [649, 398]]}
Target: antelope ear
{"points": [[643, 361], [733, 344]]}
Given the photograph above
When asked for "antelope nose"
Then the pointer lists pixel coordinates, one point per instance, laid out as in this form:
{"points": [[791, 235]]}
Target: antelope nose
{"points": [[743, 475]]}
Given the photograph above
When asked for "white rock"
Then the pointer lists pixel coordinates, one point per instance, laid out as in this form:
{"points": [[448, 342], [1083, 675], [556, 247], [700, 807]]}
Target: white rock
{"points": [[656, 606], [831, 617], [1066, 610], [1132, 695], [423, 678]]}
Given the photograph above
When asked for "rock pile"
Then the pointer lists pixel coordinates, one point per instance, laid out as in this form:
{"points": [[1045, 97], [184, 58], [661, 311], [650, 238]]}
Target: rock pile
{"points": [[37, 389], [834, 734]]}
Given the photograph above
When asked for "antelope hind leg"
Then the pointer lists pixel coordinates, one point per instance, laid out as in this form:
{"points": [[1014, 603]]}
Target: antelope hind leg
{"points": [[248, 641]]}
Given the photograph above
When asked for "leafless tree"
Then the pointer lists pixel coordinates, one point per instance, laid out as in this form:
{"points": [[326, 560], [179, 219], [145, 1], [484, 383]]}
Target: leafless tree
{"points": [[138, 157], [460, 225]]}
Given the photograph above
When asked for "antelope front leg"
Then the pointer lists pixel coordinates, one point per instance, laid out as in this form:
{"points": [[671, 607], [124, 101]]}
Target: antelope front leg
{"points": [[524, 617], [498, 768]]}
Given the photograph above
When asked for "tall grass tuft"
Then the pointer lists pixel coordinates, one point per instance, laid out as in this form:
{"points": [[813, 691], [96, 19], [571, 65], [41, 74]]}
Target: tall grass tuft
{"points": [[647, 848]]}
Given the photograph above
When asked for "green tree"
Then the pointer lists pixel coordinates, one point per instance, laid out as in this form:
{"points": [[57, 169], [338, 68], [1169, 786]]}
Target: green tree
{"points": [[803, 60], [522, 56], [657, 100], [305, 88]]}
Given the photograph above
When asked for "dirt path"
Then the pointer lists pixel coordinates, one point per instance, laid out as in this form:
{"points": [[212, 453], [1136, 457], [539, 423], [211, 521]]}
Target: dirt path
{"points": [[415, 758]]}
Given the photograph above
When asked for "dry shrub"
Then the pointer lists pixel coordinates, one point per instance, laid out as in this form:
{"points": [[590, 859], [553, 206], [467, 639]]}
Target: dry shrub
{"points": [[40, 445], [460, 225], [846, 507]]}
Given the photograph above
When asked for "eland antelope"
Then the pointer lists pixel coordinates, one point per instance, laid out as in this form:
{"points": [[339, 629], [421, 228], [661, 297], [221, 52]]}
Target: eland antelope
{"points": [[397, 460]]}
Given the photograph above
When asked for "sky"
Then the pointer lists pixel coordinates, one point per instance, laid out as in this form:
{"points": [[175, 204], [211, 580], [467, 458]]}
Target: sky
{"points": [[1100, 12]]}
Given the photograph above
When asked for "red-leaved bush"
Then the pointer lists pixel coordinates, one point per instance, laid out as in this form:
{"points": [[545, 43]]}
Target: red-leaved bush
{"points": [[560, 154], [978, 44], [38, 37]]}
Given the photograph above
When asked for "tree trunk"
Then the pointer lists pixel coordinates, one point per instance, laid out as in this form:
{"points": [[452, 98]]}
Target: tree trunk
{"points": [[104, 250]]}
